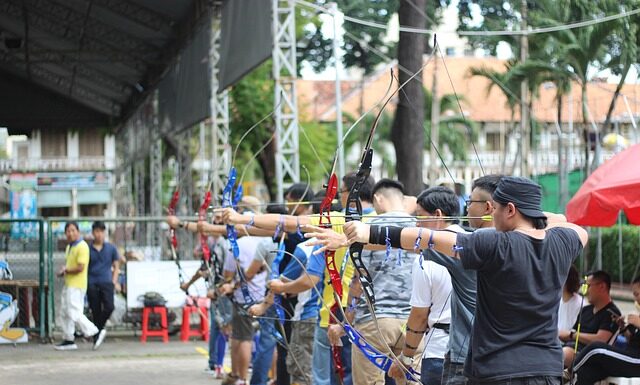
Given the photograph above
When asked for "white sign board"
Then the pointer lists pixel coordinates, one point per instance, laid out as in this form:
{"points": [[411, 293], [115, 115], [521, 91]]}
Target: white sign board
{"points": [[162, 277]]}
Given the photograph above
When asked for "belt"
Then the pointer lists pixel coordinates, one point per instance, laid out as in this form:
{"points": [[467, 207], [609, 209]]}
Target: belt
{"points": [[441, 326]]}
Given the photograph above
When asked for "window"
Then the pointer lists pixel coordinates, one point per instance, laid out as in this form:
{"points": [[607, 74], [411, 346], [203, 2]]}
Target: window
{"points": [[493, 141], [90, 143], [450, 51], [23, 151], [53, 144]]}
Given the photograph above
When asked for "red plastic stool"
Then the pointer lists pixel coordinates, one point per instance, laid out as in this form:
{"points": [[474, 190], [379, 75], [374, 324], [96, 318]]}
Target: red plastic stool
{"points": [[202, 331], [162, 332]]}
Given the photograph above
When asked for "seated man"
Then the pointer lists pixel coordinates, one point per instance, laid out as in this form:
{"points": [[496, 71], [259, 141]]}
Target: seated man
{"points": [[597, 320], [599, 360]]}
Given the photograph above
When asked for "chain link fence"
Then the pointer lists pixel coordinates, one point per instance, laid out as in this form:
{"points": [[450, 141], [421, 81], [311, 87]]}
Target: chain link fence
{"points": [[34, 250], [22, 249]]}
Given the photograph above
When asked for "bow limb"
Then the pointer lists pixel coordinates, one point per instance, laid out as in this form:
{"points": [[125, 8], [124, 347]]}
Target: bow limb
{"points": [[466, 124], [202, 216], [334, 275], [235, 151], [171, 209]]}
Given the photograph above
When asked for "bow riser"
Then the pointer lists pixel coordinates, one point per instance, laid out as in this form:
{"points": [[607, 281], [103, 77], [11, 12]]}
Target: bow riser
{"points": [[202, 215], [354, 213]]}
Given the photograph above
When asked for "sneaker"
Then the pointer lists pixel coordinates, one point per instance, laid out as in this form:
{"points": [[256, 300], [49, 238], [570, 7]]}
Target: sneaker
{"points": [[219, 373], [66, 345], [209, 370], [230, 379], [99, 339]]}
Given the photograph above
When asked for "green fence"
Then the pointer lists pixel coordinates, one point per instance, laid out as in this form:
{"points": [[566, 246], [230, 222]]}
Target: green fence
{"points": [[22, 246], [34, 250]]}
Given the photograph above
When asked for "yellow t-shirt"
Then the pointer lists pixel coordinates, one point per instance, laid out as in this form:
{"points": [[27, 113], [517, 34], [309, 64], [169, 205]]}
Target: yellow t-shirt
{"points": [[337, 218], [77, 254]]}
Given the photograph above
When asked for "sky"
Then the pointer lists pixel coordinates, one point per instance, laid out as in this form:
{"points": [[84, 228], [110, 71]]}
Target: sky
{"points": [[447, 29]]}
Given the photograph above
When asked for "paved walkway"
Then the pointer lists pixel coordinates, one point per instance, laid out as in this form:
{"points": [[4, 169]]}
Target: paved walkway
{"points": [[119, 361]]}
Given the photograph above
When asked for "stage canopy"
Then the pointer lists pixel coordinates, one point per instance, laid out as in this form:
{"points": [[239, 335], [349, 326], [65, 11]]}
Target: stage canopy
{"points": [[85, 64]]}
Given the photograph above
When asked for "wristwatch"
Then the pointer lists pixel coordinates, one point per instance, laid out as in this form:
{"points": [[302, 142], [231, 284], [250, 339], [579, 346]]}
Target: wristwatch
{"points": [[571, 334], [406, 361]]}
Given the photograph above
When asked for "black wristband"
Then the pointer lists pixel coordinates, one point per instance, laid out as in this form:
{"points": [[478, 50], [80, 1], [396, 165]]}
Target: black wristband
{"points": [[374, 234], [395, 236], [378, 235]]}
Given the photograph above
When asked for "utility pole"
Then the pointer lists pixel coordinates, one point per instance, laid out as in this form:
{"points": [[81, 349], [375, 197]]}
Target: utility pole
{"points": [[435, 125], [524, 96]]}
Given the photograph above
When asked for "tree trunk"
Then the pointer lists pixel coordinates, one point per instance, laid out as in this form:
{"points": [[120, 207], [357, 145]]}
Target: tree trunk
{"points": [[407, 131], [612, 105]]}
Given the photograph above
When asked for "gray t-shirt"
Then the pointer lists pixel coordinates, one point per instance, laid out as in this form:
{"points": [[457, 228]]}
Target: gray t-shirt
{"points": [[391, 275], [264, 251], [520, 279], [463, 301], [257, 285]]}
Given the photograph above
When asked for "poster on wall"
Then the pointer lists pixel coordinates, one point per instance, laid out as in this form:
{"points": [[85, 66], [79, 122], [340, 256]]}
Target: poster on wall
{"points": [[68, 180], [23, 201]]}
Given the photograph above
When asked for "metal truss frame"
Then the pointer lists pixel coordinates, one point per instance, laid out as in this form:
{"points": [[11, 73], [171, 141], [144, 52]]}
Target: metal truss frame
{"points": [[285, 98], [220, 132]]}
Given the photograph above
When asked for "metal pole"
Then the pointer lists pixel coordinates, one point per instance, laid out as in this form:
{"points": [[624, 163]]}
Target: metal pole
{"points": [[570, 138], [620, 247], [524, 97], [203, 160], [631, 117], [562, 170], [51, 311], [599, 248], [435, 126], [41, 282], [336, 58]]}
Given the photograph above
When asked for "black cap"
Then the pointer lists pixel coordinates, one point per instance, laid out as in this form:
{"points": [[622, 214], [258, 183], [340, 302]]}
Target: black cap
{"points": [[525, 194]]}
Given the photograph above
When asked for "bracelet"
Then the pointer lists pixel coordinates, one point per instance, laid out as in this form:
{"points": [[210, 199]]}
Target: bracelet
{"points": [[416, 245], [251, 221], [415, 331], [180, 224], [405, 360], [406, 345]]}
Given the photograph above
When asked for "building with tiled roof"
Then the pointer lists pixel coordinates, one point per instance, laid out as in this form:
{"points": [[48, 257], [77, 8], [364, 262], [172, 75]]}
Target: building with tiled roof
{"points": [[490, 111]]}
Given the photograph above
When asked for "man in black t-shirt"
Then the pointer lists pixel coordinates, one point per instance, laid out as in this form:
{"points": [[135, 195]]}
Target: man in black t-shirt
{"points": [[521, 267], [599, 361], [597, 320]]}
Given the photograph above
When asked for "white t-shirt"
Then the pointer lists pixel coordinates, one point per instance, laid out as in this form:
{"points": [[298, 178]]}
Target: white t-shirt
{"points": [[432, 289], [257, 285], [568, 312]]}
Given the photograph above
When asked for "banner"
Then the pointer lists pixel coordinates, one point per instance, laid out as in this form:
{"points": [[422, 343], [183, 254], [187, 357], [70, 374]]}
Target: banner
{"points": [[23, 201]]}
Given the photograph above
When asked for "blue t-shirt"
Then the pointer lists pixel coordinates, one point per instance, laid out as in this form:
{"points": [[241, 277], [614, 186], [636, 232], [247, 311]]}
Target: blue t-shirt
{"points": [[100, 263], [316, 266]]}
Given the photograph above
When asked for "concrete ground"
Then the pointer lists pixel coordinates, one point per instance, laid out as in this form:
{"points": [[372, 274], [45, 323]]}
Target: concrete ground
{"points": [[119, 361]]}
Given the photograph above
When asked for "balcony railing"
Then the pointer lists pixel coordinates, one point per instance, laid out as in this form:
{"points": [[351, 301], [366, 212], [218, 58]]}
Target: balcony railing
{"points": [[85, 163]]}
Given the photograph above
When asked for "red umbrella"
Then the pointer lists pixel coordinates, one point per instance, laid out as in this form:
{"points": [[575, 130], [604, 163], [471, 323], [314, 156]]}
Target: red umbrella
{"points": [[614, 186]]}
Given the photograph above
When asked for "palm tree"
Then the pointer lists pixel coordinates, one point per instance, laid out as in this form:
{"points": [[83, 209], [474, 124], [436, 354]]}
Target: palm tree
{"points": [[453, 125], [580, 48], [452, 133]]}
